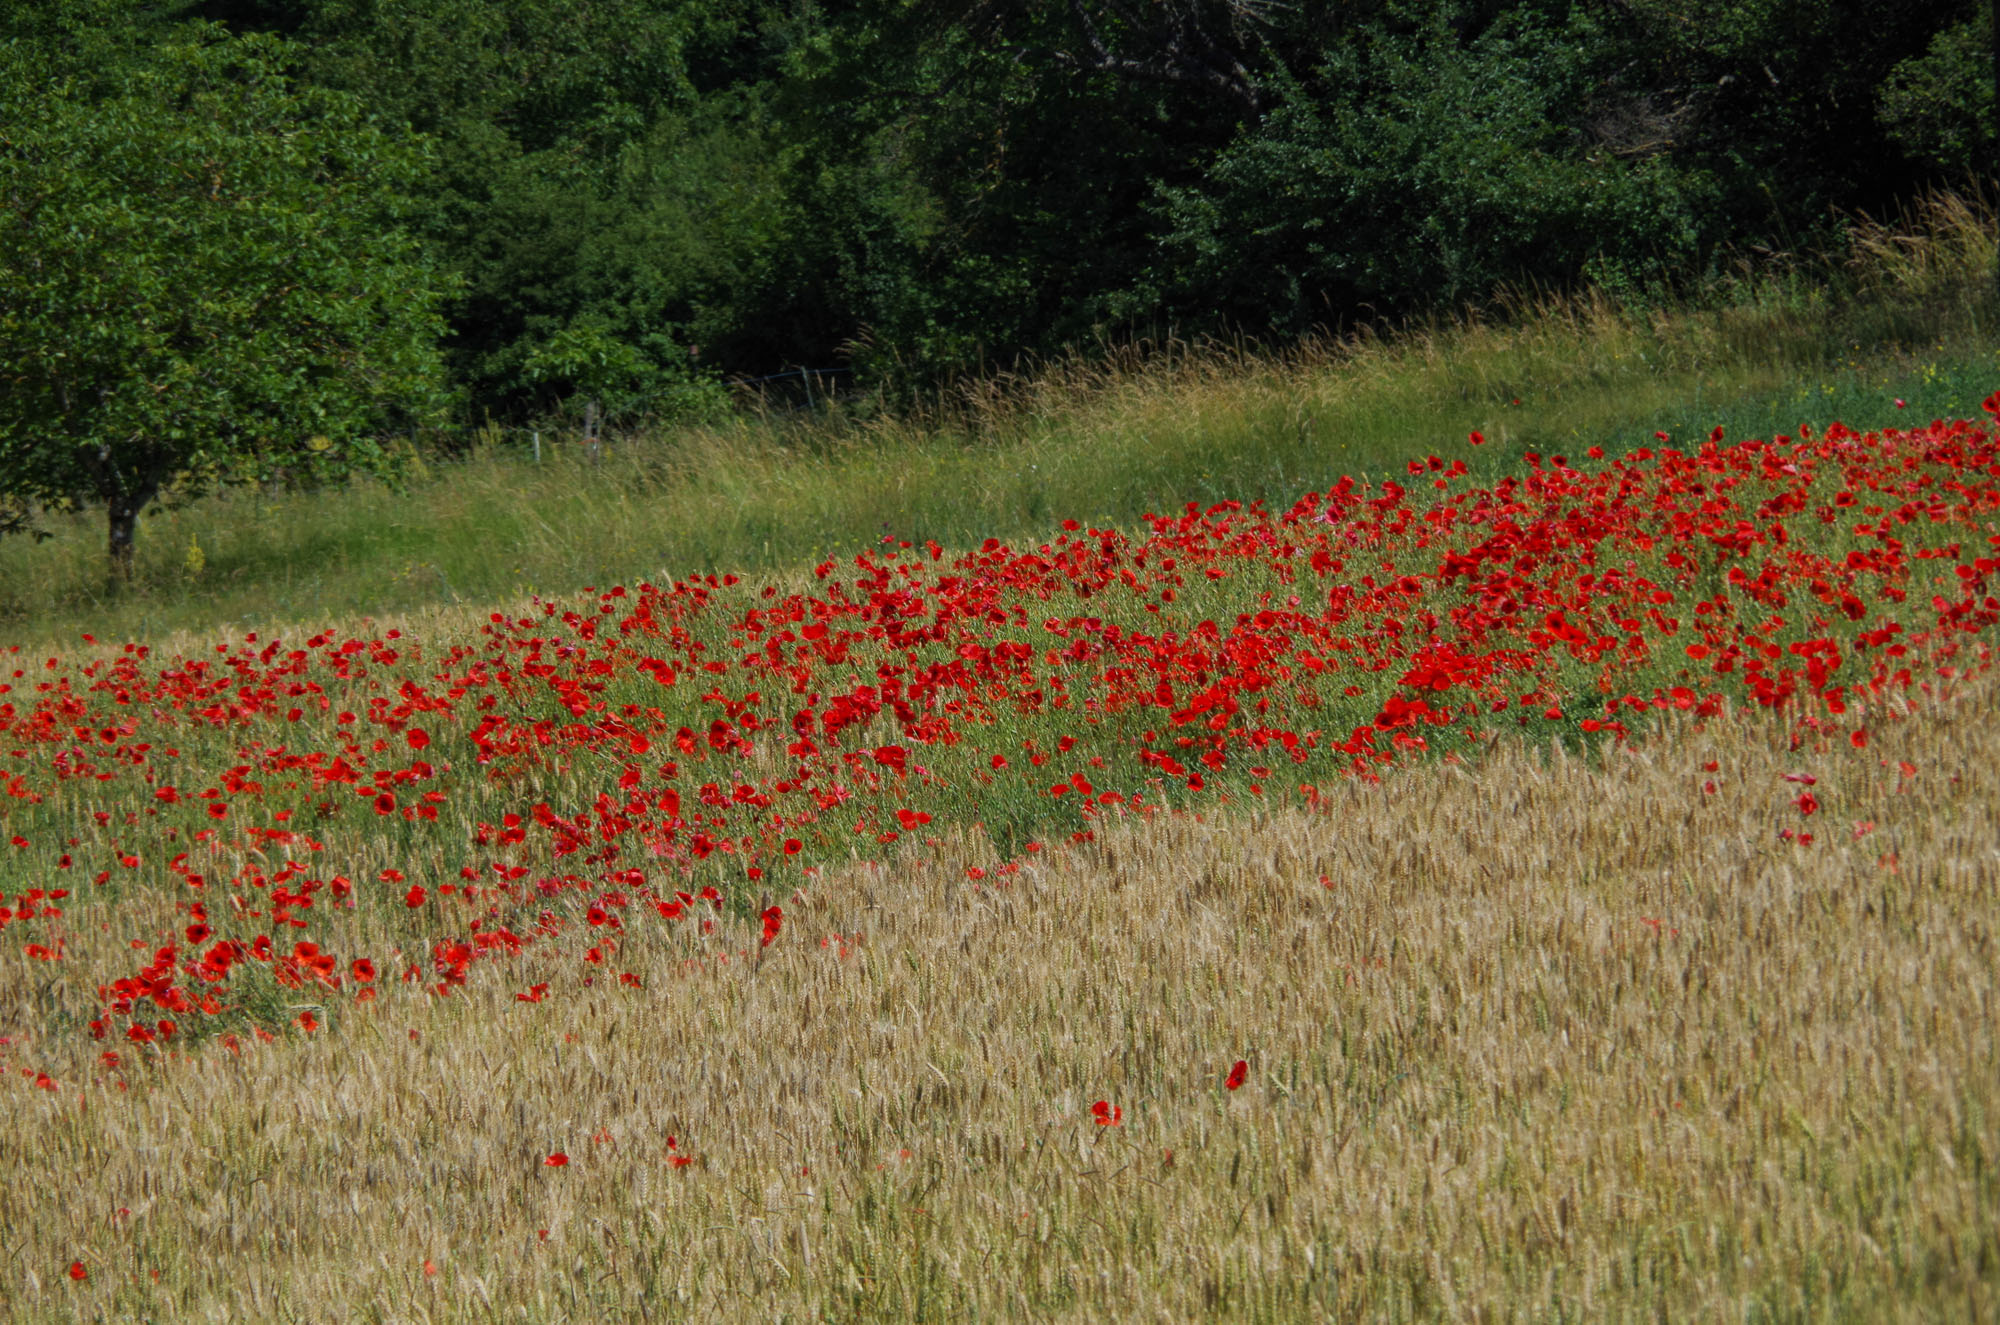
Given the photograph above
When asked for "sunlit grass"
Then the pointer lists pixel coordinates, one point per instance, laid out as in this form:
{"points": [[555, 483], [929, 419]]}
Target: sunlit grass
{"points": [[1911, 315]]}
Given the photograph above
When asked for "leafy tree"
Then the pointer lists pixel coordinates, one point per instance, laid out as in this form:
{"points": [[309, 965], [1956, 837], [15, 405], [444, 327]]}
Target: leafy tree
{"points": [[1788, 105], [595, 177], [927, 187], [620, 283], [978, 172], [1424, 166], [204, 276], [1939, 105]]}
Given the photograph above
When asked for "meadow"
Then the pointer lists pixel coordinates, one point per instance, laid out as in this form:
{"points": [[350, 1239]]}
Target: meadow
{"points": [[1485, 881], [1904, 312]]}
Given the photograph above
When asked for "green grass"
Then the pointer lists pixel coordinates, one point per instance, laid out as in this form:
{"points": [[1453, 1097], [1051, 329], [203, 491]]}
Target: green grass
{"points": [[1907, 313]]}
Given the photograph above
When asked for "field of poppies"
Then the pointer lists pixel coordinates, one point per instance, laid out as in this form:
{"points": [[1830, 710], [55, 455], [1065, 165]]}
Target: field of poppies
{"points": [[263, 845], [284, 820]]}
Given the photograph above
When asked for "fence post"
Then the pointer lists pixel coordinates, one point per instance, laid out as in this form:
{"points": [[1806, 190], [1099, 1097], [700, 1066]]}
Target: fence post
{"points": [[807, 375], [538, 446], [590, 442]]}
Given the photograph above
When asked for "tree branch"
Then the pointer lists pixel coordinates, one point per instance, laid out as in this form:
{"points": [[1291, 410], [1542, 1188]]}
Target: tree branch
{"points": [[1183, 55]]}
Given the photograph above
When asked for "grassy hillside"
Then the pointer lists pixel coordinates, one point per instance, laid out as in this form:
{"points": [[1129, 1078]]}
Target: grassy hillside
{"points": [[1548, 873], [1907, 313]]}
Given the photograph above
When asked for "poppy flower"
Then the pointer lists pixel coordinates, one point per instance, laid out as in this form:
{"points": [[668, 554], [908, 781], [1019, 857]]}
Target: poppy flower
{"points": [[1237, 1075]]}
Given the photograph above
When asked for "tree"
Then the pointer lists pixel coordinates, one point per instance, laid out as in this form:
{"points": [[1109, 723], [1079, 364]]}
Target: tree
{"points": [[1427, 167], [1939, 105], [204, 276], [1205, 46], [597, 176]]}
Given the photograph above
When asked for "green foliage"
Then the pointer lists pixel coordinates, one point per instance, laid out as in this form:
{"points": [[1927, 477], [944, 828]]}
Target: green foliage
{"points": [[583, 192], [1777, 100], [204, 279], [1939, 106], [997, 179], [1413, 169], [637, 197], [980, 175], [621, 287]]}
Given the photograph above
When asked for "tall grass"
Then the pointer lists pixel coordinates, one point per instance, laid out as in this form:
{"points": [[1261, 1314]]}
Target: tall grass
{"points": [[1906, 311]]}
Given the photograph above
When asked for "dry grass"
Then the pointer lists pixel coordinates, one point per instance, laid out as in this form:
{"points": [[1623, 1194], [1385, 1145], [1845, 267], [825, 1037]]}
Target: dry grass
{"points": [[1553, 1039], [1907, 310]]}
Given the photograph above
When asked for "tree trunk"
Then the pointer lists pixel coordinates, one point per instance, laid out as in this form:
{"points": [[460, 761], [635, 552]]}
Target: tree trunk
{"points": [[124, 519]]}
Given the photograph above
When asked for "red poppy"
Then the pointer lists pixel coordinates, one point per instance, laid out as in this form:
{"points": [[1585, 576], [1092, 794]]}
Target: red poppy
{"points": [[556, 1160], [1237, 1075]]}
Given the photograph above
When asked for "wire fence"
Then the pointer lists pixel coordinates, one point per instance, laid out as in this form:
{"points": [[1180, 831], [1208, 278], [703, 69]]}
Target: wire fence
{"points": [[596, 426], [807, 377]]}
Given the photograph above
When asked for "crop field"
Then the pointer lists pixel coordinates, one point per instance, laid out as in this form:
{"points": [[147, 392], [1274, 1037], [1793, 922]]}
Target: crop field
{"points": [[1528, 885]]}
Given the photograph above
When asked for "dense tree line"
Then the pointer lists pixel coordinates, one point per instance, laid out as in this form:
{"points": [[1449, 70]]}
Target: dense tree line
{"points": [[626, 198]]}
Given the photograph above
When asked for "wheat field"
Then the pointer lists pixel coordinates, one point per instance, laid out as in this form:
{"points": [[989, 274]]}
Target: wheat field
{"points": [[1538, 1037]]}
